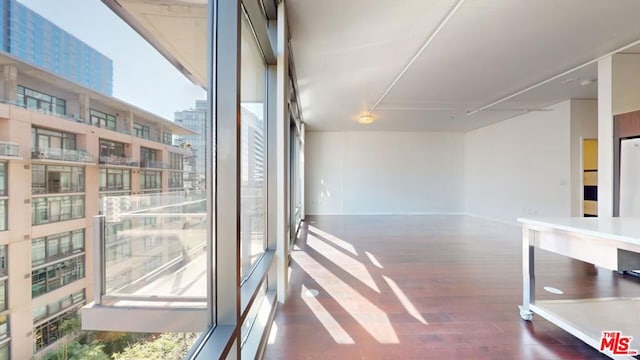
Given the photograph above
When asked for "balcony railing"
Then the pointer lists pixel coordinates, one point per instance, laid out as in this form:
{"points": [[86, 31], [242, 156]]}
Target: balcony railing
{"points": [[9, 149], [79, 119], [161, 233], [153, 164], [62, 155], [118, 160]]}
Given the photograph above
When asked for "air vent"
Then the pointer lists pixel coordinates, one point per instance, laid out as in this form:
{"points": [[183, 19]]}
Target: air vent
{"points": [[26, 276], [27, 167], [26, 237], [27, 201]]}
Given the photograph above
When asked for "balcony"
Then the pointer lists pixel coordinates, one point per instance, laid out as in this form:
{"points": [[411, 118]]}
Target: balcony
{"points": [[116, 160], [153, 164], [56, 154], [10, 150], [77, 118], [153, 259]]}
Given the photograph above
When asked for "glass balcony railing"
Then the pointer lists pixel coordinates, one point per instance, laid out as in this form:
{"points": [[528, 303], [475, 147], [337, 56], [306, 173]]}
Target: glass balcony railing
{"points": [[153, 164], [118, 160], [79, 119], [62, 154], [153, 249], [9, 149]]}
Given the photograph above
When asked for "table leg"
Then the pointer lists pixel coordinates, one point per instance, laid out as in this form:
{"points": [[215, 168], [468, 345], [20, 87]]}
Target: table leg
{"points": [[528, 273]]}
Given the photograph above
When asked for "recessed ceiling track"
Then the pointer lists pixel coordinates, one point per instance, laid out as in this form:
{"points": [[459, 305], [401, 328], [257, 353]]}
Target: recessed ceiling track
{"points": [[552, 78], [415, 57]]}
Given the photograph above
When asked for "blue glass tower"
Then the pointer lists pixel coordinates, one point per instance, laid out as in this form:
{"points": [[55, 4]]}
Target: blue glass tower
{"points": [[36, 40]]}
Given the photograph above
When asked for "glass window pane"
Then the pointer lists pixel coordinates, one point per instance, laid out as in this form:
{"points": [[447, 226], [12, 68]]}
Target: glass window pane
{"points": [[253, 150], [3, 215]]}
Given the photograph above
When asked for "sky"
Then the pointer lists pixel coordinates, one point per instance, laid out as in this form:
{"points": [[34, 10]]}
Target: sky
{"points": [[141, 76]]}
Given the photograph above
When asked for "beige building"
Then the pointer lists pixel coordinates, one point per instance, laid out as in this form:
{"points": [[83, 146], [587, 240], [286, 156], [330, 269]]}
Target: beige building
{"points": [[62, 149]]}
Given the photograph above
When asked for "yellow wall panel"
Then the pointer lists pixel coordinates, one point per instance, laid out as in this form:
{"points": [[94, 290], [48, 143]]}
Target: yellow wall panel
{"points": [[590, 207], [590, 154], [590, 178]]}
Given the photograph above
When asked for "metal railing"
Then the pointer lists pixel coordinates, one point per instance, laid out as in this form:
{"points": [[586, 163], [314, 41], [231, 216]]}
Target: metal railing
{"points": [[79, 119], [62, 154], [9, 149], [163, 233], [153, 164], [118, 160]]}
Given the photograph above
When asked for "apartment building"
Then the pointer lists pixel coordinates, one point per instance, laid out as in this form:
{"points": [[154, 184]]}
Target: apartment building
{"points": [[195, 120], [35, 40], [64, 149]]}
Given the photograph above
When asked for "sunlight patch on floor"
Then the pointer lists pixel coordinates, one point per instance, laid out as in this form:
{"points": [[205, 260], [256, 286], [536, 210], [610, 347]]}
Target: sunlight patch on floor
{"points": [[333, 239], [345, 262], [337, 332], [404, 300], [373, 259], [369, 316]]}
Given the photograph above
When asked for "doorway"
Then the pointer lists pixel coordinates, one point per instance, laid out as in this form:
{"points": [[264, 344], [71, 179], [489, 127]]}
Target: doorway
{"points": [[590, 177]]}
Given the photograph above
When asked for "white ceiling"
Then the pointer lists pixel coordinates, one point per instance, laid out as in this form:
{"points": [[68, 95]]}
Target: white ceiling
{"points": [[347, 53]]}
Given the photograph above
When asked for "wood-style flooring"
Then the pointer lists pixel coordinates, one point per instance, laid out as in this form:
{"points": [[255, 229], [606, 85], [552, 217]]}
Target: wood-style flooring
{"points": [[425, 287]]}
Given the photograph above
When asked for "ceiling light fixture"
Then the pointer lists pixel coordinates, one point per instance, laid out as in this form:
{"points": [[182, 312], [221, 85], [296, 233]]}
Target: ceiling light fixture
{"points": [[365, 118]]}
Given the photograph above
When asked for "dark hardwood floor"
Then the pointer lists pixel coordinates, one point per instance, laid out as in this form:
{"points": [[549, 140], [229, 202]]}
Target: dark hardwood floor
{"points": [[425, 287]]}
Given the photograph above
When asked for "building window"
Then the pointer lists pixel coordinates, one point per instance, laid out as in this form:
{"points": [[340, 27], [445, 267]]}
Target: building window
{"points": [[43, 140], [3, 179], [175, 161], [4, 349], [50, 277], [175, 179], [47, 179], [3, 261], [141, 131], [53, 247], [115, 179], [36, 100], [3, 295], [167, 138], [148, 157], [3, 214], [56, 208], [103, 120], [150, 180], [50, 331], [58, 306], [111, 148]]}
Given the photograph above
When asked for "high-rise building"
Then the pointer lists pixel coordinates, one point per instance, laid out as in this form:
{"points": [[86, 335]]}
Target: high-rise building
{"points": [[55, 172], [33, 39], [194, 120]]}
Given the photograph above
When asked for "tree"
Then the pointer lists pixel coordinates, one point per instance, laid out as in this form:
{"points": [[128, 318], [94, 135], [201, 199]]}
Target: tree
{"points": [[166, 346]]}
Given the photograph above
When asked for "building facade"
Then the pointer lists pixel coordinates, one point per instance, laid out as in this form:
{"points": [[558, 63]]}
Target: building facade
{"points": [[35, 40], [194, 120], [63, 150]]}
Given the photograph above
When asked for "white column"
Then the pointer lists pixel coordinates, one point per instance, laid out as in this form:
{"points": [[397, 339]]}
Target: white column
{"points": [[605, 137]]}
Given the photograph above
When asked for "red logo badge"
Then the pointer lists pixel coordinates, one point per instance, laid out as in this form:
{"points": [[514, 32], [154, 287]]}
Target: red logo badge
{"points": [[617, 343]]}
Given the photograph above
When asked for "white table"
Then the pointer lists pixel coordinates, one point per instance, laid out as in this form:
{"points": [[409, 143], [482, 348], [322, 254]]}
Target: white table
{"points": [[610, 243]]}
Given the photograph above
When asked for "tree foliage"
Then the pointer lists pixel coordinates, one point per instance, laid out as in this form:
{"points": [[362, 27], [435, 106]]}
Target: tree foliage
{"points": [[167, 346], [77, 351]]}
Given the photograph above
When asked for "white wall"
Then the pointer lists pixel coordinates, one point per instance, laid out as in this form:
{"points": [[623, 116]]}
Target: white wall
{"points": [[584, 125], [520, 167], [384, 173], [625, 83]]}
